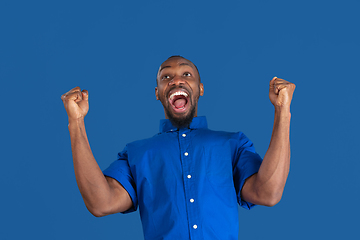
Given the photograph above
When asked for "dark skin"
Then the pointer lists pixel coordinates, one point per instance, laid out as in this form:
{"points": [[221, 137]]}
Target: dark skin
{"points": [[266, 186], [104, 196], [177, 74]]}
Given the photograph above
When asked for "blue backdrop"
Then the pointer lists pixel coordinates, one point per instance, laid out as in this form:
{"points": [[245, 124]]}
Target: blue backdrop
{"points": [[114, 49]]}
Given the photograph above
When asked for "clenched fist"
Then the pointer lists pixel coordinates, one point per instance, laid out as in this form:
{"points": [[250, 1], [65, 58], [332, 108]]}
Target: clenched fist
{"points": [[281, 92], [76, 103]]}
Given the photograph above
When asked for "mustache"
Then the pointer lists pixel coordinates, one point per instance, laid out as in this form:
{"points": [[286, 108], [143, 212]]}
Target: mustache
{"points": [[178, 87]]}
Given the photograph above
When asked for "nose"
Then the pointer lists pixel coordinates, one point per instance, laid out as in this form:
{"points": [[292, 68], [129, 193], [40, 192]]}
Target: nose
{"points": [[177, 80]]}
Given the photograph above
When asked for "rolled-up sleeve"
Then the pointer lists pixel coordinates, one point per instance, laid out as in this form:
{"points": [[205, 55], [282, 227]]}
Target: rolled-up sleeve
{"points": [[246, 163], [120, 171]]}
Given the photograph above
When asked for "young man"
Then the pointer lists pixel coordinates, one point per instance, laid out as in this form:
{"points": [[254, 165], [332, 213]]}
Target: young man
{"points": [[187, 180]]}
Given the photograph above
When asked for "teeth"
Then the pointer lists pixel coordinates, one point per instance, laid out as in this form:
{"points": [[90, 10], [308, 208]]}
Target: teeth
{"points": [[177, 94]]}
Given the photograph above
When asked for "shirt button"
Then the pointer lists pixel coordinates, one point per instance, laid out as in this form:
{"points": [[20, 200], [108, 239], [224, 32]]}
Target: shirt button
{"points": [[184, 135], [192, 200], [195, 226], [186, 153], [189, 176]]}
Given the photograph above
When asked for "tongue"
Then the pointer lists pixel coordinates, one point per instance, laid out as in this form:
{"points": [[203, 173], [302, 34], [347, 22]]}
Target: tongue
{"points": [[180, 103]]}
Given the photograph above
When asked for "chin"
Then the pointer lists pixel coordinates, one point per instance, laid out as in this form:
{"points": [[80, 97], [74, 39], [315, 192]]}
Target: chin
{"points": [[181, 120]]}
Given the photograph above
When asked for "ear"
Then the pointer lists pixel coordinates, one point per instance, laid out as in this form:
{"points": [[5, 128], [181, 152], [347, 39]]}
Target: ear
{"points": [[201, 89], [156, 93]]}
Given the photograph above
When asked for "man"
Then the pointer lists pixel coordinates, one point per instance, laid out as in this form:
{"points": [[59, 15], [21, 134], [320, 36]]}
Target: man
{"points": [[187, 180]]}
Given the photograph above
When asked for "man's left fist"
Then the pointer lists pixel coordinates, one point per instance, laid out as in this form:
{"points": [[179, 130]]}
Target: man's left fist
{"points": [[281, 92]]}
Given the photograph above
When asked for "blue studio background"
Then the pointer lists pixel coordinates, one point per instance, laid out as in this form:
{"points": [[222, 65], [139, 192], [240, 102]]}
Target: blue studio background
{"points": [[114, 48]]}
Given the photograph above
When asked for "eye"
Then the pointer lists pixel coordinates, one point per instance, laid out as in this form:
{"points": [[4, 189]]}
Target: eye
{"points": [[165, 77], [187, 74]]}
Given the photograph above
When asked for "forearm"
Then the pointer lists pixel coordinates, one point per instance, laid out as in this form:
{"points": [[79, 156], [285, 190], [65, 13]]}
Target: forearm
{"points": [[92, 184], [273, 172]]}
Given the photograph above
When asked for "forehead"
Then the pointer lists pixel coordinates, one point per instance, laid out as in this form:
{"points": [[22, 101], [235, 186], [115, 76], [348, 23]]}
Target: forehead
{"points": [[174, 62]]}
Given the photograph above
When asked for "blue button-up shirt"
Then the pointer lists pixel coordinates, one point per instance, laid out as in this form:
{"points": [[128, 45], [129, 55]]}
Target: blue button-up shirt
{"points": [[187, 181]]}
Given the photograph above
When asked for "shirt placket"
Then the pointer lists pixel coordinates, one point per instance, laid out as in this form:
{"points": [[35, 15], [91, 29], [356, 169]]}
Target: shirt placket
{"points": [[189, 179]]}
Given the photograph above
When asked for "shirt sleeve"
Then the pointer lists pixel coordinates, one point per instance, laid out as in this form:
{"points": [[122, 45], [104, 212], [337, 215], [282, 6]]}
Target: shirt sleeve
{"points": [[246, 163], [120, 171]]}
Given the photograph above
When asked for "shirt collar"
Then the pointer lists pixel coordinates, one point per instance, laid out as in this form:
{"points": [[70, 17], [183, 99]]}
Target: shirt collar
{"points": [[197, 122]]}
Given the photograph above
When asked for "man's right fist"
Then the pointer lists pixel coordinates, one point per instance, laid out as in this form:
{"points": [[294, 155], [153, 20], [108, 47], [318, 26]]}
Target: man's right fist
{"points": [[76, 103]]}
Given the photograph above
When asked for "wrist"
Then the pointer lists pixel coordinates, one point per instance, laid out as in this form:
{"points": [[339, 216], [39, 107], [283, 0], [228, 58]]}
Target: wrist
{"points": [[282, 111], [76, 123]]}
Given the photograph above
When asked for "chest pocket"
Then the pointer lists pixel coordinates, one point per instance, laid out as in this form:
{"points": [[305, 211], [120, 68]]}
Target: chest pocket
{"points": [[219, 165]]}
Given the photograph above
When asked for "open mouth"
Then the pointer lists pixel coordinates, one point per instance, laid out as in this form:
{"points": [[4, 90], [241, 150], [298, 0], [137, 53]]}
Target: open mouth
{"points": [[179, 100]]}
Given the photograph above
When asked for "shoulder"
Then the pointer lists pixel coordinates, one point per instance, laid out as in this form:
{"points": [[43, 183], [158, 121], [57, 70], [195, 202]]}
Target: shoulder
{"points": [[221, 134], [213, 137], [141, 141], [147, 142]]}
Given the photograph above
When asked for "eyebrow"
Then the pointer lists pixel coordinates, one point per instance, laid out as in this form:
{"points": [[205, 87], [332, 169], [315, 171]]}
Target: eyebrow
{"points": [[170, 66]]}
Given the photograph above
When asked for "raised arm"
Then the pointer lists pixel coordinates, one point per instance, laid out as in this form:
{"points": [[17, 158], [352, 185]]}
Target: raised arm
{"points": [[102, 195], [266, 187]]}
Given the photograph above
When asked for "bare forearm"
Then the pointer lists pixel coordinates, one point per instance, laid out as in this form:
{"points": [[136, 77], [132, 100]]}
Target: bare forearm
{"points": [[266, 186], [92, 184], [273, 172], [102, 196]]}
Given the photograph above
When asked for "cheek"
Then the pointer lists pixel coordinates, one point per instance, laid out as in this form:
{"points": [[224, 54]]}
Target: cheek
{"points": [[162, 96], [196, 92]]}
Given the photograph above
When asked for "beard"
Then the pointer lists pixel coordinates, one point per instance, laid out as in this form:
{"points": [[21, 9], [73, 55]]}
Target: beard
{"points": [[183, 121]]}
